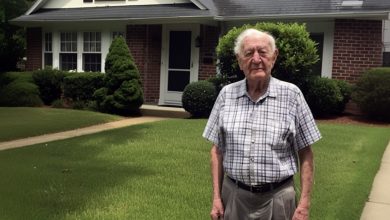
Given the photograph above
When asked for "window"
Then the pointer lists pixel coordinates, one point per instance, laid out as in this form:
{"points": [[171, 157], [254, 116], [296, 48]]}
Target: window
{"points": [[319, 39], [48, 50], [386, 59], [87, 1], [92, 52], [68, 54]]}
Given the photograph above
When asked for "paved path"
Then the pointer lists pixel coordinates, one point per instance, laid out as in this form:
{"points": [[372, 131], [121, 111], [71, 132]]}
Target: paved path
{"points": [[77, 132], [378, 205]]}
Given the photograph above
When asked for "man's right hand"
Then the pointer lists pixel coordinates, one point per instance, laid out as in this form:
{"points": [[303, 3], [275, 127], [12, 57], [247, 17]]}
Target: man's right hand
{"points": [[217, 210]]}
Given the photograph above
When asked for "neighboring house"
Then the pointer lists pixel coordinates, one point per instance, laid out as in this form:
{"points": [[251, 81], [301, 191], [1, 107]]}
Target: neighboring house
{"points": [[173, 41]]}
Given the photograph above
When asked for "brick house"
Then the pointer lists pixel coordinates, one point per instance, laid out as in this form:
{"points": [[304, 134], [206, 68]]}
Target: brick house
{"points": [[173, 41]]}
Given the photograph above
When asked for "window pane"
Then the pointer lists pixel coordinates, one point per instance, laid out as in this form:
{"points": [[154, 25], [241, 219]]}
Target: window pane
{"points": [[177, 80], [92, 62], [68, 61], [69, 42], [319, 39], [48, 59], [48, 42], [179, 49]]}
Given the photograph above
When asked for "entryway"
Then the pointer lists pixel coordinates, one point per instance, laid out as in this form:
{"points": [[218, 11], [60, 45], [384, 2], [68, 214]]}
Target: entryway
{"points": [[180, 61]]}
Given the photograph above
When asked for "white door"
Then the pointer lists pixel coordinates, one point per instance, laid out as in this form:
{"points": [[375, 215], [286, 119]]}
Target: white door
{"points": [[180, 60]]}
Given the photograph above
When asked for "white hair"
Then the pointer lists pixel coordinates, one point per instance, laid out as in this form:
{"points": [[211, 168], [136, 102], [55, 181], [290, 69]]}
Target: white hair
{"points": [[251, 32]]}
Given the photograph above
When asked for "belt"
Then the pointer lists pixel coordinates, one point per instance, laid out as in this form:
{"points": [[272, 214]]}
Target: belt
{"points": [[259, 188]]}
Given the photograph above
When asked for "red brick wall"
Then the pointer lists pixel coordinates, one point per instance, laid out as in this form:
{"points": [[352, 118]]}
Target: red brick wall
{"points": [[357, 47], [34, 49], [207, 57], [144, 42]]}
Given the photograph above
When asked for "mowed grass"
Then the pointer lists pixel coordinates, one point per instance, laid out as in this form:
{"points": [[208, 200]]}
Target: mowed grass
{"points": [[161, 171], [21, 122]]}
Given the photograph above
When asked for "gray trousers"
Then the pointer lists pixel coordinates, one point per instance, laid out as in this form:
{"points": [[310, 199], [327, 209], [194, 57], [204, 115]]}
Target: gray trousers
{"points": [[278, 204]]}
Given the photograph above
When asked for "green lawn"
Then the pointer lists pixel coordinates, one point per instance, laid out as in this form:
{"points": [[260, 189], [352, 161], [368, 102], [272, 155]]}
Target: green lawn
{"points": [[161, 171], [20, 122]]}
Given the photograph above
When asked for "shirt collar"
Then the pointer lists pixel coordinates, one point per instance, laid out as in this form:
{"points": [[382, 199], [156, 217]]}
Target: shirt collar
{"points": [[271, 90]]}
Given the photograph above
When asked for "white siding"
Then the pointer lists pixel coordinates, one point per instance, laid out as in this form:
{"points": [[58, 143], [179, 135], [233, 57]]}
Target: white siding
{"points": [[386, 35], [80, 4]]}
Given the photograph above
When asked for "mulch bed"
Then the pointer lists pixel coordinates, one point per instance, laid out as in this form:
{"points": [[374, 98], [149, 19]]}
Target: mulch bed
{"points": [[352, 119]]}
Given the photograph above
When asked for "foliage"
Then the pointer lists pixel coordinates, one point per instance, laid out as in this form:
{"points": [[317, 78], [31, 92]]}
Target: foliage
{"points": [[219, 81], [346, 92], [324, 96], [12, 38], [49, 82], [297, 52], [20, 93], [198, 98], [122, 92], [81, 86], [372, 93]]}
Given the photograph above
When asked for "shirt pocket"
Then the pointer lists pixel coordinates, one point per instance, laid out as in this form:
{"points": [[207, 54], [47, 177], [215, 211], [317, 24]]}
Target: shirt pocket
{"points": [[277, 134]]}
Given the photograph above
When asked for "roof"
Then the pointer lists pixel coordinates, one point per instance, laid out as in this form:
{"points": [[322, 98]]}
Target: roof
{"points": [[188, 10], [216, 10], [238, 9]]}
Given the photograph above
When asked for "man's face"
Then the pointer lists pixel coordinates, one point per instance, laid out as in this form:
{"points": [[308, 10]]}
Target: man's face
{"points": [[256, 59]]}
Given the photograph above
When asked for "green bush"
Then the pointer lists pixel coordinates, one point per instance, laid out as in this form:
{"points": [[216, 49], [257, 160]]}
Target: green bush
{"points": [[49, 82], [81, 86], [323, 96], [198, 98], [20, 93], [297, 52], [346, 92], [372, 93], [122, 92], [218, 81]]}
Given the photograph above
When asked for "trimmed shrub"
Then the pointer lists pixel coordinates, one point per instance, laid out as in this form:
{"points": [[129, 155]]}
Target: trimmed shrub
{"points": [[297, 52], [122, 92], [323, 96], [198, 98], [218, 81], [372, 93], [346, 92], [81, 86], [49, 82], [20, 93]]}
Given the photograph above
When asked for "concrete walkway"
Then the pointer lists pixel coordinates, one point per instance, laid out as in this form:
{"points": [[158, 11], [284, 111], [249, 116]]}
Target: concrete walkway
{"points": [[77, 132], [378, 205]]}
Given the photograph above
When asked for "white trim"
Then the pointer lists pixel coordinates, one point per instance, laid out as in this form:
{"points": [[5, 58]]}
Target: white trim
{"points": [[198, 4], [175, 99], [327, 28], [37, 5]]}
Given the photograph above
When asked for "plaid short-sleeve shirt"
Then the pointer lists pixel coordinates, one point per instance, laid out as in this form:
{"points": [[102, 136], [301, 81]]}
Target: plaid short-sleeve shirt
{"points": [[260, 140]]}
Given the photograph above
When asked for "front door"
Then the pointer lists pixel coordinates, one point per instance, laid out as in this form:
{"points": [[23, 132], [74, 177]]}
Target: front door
{"points": [[179, 62]]}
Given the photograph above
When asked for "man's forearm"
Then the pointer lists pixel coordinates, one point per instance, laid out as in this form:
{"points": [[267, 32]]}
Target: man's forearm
{"points": [[216, 171], [307, 176]]}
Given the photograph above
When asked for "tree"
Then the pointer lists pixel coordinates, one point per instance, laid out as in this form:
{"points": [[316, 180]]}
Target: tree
{"points": [[122, 93], [12, 38]]}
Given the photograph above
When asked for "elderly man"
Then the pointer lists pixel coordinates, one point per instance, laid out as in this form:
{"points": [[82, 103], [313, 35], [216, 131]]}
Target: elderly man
{"points": [[261, 129]]}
